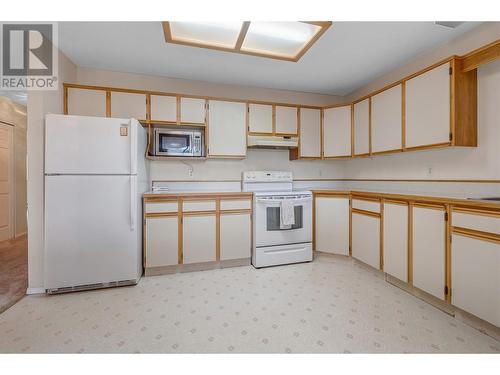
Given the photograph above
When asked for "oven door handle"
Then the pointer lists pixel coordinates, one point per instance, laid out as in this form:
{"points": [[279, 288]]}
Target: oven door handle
{"points": [[295, 200]]}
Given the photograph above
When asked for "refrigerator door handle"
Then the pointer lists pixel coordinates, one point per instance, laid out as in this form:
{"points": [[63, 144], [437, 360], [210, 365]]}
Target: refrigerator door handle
{"points": [[133, 146], [133, 207]]}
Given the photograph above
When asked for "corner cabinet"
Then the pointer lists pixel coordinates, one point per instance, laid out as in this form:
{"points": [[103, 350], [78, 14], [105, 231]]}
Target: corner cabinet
{"points": [[310, 133], [387, 120], [337, 132], [332, 224], [227, 133], [361, 128]]}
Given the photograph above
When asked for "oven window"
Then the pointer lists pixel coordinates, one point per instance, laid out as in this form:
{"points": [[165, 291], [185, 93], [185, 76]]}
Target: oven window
{"points": [[273, 218], [174, 143]]}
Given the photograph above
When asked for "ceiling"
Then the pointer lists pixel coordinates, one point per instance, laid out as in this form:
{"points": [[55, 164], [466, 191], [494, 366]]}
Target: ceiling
{"points": [[348, 56]]}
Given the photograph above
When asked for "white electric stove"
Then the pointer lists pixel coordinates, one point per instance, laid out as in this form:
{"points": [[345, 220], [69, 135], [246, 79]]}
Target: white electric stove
{"points": [[274, 243]]}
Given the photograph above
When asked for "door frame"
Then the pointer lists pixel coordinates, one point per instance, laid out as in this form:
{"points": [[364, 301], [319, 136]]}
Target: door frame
{"points": [[12, 199]]}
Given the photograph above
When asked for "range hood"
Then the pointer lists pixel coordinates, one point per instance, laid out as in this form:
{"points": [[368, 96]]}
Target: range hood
{"points": [[272, 142]]}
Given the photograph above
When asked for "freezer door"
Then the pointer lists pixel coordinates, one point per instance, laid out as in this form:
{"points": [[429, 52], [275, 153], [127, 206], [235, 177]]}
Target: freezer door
{"points": [[90, 145], [91, 230]]}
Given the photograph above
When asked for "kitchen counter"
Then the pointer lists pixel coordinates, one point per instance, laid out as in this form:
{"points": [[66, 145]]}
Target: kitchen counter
{"points": [[455, 199], [197, 194]]}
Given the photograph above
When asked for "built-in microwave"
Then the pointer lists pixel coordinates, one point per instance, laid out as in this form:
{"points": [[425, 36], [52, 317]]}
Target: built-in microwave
{"points": [[179, 142]]}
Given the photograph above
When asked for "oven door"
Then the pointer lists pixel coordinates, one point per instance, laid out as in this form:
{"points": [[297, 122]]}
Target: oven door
{"points": [[269, 232], [173, 143]]}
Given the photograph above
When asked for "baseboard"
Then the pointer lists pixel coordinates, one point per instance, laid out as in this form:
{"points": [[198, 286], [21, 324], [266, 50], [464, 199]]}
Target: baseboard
{"points": [[35, 291], [178, 268]]}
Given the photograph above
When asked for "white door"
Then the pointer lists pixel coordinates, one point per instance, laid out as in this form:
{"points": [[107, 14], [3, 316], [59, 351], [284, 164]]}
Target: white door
{"points": [[89, 145], [260, 118], [193, 110], [387, 120], [199, 238], [91, 230], [366, 239], [475, 276], [332, 225], [337, 131], [396, 240], [362, 127], [162, 241], [286, 120], [84, 102], [428, 107], [6, 182], [164, 108], [429, 228], [310, 133], [235, 236], [227, 134], [128, 105]]}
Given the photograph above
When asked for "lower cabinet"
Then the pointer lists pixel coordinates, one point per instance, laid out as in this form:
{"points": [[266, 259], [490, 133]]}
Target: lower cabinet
{"points": [[475, 272], [332, 225], [235, 236], [429, 232], [199, 238], [162, 246], [366, 239], [396, 240]]}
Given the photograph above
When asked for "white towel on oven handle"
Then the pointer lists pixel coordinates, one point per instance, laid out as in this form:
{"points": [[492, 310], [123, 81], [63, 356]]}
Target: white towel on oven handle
{"points": [[287, 213]]}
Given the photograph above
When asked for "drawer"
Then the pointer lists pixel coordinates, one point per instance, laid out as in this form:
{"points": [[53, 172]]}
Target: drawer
{"points": [[366, 205], [158, 207], [490, 224], [236, 204], [204, 205]]}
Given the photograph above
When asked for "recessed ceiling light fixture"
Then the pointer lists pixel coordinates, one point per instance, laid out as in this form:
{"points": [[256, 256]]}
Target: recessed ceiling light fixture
{"points": [[277, 40]]}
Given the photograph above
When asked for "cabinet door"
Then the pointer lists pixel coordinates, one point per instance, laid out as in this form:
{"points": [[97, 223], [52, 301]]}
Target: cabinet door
{"points": [[161, 241], [163, 108], [128, 105], [475, 275], [362, 127], [429, 229], [337, 131], [235, 236], [198, 238], [366, 239], [396, 240], [387, 120], [193, 111], [332, 225], [428, 107], [86, 102], [310, 133], [286, 120], [227, 134], [260, 118]]}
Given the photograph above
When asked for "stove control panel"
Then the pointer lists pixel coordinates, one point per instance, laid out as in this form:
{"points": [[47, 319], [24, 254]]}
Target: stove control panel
{"points": [[267, 176]]}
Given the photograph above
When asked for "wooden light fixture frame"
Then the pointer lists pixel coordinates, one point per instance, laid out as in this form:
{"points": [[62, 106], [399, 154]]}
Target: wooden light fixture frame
{"points": [[323, 25]]}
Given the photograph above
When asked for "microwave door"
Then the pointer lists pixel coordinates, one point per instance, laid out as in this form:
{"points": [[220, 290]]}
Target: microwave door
{"points": [[175, 144]]}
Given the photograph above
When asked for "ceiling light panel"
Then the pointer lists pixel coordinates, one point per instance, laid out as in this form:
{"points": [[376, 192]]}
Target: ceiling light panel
{"points": [[219, 34], [285, 39]]}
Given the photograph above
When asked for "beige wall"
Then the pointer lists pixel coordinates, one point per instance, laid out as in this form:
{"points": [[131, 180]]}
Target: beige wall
{"points": [[39, 104], [221, 169], [15, 114], [482, 162]]}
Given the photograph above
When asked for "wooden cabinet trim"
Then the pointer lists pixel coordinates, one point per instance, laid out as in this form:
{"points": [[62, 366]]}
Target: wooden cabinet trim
{"points": [[366, 213], [477, 234]]}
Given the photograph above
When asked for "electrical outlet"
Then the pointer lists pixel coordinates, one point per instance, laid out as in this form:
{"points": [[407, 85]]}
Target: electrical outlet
{"points": [[429, 171], [190, 172]]}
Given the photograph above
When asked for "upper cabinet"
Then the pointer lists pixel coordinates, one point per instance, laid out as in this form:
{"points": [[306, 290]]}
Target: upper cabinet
{"points": [[192, 111], [227, 135], [260, 119], [127, 105], [337, 132], [361, 127], [387, 120], [163, 108], [428, 108], [286, 120], [310, 133], [86, 102]]}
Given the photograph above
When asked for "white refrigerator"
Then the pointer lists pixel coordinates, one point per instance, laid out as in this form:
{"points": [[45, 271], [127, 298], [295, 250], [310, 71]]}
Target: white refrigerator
{"points": [[95, 175]]}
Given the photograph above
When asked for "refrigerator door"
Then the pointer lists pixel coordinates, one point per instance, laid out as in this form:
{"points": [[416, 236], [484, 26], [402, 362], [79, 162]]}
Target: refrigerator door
{"points": [[91, 230], [90, 145]]}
